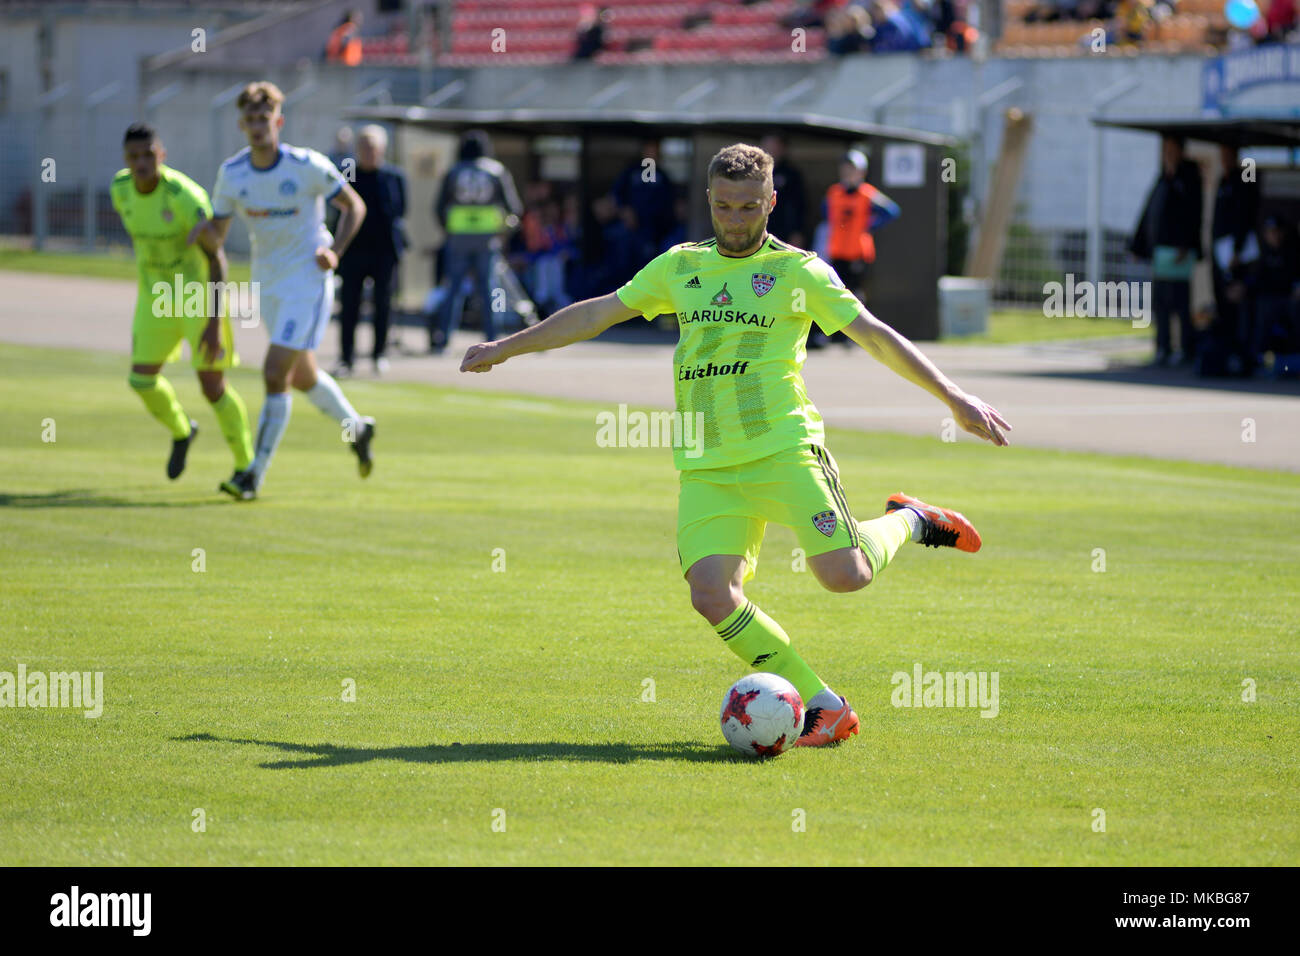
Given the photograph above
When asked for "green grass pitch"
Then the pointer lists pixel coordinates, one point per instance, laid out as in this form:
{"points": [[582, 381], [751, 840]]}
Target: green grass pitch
{"points": [[515, 696]]}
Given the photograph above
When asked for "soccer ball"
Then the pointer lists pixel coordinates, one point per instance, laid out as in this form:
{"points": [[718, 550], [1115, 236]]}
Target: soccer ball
{"points": [[762, 715]]}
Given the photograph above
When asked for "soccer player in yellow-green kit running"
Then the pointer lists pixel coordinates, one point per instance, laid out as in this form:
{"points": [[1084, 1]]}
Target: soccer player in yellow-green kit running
{"points": [[159, 206], [745, 302]]}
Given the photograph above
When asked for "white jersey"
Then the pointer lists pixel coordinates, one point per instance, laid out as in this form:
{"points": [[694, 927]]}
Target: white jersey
{"points": [[283, 207]]}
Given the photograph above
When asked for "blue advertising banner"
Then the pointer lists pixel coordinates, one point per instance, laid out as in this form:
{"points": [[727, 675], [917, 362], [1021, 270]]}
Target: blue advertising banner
{"points": [[1224, 77]]}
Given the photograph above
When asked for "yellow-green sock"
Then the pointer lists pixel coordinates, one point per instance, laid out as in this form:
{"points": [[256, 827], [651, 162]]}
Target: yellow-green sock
{"points": [[761, 643], [160, 398], [880, 538], [232, 416]]}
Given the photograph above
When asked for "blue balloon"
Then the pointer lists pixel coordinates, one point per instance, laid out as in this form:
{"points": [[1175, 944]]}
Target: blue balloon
{"points": [[1241, 13]]}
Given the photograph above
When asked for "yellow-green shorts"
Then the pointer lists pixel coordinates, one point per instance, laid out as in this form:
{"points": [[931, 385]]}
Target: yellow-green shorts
{"points": [[726, 510], [156, 340]]}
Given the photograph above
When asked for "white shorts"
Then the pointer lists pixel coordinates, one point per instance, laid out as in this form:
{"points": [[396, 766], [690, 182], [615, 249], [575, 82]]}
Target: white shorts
{"points": [[296, 316]]}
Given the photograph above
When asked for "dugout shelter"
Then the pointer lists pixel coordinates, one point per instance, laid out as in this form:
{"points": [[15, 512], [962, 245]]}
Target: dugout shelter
{"points": [[585, 151]]}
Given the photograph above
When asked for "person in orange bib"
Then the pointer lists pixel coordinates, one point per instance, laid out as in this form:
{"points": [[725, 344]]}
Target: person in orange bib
{"points": [[344, 44], [853, 208]]}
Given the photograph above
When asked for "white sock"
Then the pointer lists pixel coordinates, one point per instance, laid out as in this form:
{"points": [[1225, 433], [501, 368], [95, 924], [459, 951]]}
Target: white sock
{"points": [[271, 424], [329, 398], [826, 698], [914, 521]]}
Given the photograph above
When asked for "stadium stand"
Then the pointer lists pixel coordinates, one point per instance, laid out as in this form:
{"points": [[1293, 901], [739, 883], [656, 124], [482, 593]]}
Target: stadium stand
{"points": [[1195, 26], [686, 31], [545, 31]]}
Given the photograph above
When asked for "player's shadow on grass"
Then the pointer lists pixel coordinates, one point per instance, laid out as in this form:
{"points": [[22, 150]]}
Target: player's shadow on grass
{"points": [[329, 755], [89, 498]]}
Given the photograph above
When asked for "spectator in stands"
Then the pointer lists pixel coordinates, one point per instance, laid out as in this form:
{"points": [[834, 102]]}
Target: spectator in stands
{"points": [[848, 30], [894, 30], [374, 251], [1235, 246], [1132, 23], [477, 204], [1169, 235], [344, 45], [787, 218], [949, 19], [1050, 11], [917, 13], [645, 187], [1279, 20], [1275, 282], [853, 209], [591, 31]]}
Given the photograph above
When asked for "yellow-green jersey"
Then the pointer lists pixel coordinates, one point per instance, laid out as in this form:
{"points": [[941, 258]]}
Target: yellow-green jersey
{"points": [[159, 223], [744, 326]]}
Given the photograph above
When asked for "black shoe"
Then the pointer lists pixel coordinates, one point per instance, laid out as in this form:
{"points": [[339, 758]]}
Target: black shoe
{"points": [[181, 448], [362, 446], [240, 486]]}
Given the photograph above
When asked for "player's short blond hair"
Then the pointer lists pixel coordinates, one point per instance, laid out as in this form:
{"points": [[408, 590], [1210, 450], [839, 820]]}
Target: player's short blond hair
{"points": [[257, 94], [740, 161]]}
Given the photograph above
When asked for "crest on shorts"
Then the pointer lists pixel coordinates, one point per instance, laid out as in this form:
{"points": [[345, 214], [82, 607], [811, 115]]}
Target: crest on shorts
{"points": [[762, 283], [825, 522]]}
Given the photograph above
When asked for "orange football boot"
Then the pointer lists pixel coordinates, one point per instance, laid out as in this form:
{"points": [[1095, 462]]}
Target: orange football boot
{"points": [[822, 726], [943, 528]]}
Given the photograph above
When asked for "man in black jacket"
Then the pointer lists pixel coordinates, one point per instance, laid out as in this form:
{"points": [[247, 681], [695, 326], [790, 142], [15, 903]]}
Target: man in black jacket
{"points": [[375, 251], [1236, 208], [1169, 235]]}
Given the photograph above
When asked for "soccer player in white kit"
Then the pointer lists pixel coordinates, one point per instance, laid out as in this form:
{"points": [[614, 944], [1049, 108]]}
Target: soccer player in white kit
{"points": [[280, 192]]}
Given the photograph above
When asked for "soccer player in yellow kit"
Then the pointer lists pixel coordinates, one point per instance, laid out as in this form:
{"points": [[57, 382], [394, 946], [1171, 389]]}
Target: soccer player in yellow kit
{"points": [[745, 302], [159, 206]]}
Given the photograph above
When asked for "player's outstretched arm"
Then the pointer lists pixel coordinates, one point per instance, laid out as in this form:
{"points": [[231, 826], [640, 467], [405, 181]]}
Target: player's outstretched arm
{"points": [[573, 323], [905, 359]]}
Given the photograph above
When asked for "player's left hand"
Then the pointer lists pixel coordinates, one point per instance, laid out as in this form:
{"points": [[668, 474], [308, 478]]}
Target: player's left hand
{"points": [[326, 258], [980, 418], [210, 341]]}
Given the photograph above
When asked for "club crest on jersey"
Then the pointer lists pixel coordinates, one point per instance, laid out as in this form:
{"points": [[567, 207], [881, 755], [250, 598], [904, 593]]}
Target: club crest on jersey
{"points": [[721, 297], [825, 522], [762, 283], [288, 187], [166, 215]]}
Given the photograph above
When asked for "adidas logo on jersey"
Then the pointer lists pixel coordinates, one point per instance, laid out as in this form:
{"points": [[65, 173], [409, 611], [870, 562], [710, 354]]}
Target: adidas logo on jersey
{"points": [[694, 283]]}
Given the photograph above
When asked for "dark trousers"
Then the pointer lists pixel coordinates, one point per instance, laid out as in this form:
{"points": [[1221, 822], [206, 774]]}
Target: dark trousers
{"points": [[353, 271], [459, 262], [1236, 321], [1170, 298]]}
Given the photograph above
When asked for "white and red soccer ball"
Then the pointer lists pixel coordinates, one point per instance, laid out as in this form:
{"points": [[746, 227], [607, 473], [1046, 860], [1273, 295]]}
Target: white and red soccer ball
{"points": [[762, 715]]}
